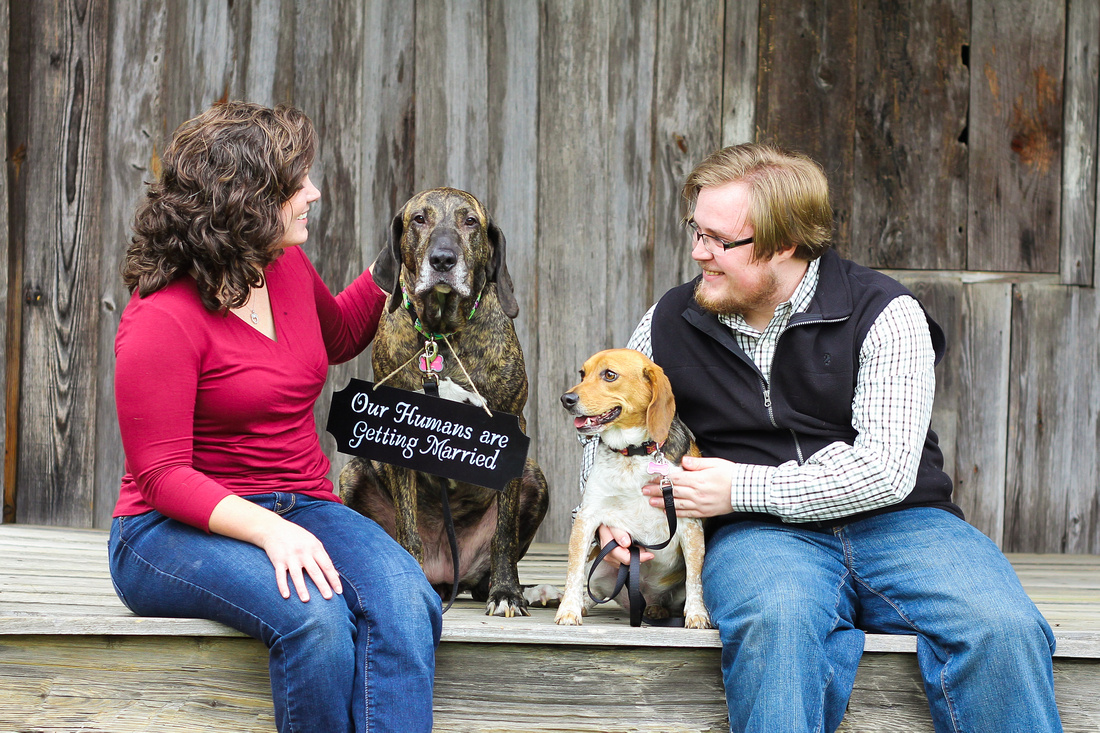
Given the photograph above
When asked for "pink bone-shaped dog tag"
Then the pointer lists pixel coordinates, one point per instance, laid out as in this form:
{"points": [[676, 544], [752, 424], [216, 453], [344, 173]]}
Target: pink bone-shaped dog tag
{"points": [[660, 467], [435, 367]]}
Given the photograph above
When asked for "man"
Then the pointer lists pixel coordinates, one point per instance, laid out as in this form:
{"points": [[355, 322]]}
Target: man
{"points": [[808, 383]]}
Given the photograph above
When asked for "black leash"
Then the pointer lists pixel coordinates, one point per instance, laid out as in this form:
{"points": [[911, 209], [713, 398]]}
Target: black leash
{"points": [[430, 365], [631, 575]]}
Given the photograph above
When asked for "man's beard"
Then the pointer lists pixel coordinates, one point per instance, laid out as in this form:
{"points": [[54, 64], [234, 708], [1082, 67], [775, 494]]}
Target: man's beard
{"points": [[734, 304]]}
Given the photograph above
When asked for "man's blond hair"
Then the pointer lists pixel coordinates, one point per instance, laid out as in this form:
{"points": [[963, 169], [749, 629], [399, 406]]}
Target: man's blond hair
{"points": [[789, 204]]}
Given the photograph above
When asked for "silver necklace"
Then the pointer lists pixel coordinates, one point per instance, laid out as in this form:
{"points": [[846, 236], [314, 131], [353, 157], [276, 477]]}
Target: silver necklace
{"points": [[254, 318]]}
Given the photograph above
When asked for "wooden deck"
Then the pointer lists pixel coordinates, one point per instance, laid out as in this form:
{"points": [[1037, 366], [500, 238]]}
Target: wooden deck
{"points": [[73, 658]]}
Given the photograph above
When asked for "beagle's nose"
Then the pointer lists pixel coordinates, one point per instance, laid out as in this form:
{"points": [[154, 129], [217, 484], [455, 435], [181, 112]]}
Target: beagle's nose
{"points": [[569, 400]]}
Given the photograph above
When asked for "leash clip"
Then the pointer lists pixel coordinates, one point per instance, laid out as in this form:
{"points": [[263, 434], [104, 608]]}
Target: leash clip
{"points": [[431, 363]]}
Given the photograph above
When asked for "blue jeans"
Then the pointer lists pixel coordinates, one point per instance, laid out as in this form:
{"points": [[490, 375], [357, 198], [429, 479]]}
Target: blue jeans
{"points": [[361, 661], [792, 605]]}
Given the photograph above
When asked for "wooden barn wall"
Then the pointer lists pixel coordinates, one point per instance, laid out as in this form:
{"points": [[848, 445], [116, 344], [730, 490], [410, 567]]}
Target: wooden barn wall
{"points": [[960, 138]]}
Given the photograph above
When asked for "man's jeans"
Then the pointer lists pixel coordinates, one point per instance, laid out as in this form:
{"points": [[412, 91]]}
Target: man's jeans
{"points": [[361, 661], [792, 604]]}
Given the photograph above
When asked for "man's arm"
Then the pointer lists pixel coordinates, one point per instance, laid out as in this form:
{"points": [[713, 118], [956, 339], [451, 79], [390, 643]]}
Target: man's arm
{"points": [[891, 412]]}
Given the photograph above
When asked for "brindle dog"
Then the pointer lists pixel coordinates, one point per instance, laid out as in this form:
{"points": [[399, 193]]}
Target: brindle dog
{"points": [[446, 274]]}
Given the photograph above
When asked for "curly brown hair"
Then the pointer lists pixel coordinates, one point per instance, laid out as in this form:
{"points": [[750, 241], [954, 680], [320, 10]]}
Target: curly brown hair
{"points": [[216, 209]]}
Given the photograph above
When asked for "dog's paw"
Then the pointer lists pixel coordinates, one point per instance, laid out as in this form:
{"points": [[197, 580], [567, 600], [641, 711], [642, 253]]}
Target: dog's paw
{"points": [[695, 616], [544, 595], [450, 390], [506, 603], [655, 612], [569, 615], [698, 621]]}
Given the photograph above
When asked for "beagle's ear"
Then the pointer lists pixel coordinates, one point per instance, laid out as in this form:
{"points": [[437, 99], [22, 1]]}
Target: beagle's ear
{"points": [[498, 271], [386, 268], [662, 405]]}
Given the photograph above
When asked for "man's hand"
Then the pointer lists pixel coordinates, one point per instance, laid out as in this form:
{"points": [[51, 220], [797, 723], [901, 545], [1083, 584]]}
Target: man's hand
{"points": [[701, 488]]}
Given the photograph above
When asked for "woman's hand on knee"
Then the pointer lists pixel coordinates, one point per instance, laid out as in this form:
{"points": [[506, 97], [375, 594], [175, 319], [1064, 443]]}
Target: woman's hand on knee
{"points": [[292, 550], [296, 552]]}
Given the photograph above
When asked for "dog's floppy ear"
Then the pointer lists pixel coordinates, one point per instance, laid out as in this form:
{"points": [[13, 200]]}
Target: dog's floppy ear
{"points": [[498, 271], [662, 405], [387, 265]]}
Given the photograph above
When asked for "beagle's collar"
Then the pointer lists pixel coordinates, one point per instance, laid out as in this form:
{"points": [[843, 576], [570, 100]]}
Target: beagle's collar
{"points": [[407, 302], [647, 448]]}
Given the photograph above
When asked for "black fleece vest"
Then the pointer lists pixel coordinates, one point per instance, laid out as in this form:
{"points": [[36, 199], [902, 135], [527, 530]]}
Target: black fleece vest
{"points": [[806, 402]]}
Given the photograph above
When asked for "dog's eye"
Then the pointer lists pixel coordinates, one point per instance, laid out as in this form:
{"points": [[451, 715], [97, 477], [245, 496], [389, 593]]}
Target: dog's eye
{"points": [[419, 218], [471, 221], [609, 376]]}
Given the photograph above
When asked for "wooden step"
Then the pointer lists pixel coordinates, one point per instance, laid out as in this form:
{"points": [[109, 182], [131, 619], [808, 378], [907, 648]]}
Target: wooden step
{"points": [[73, 658]]}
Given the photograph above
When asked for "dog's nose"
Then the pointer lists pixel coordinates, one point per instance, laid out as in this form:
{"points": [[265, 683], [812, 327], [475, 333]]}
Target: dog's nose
{"points": [[569, 400], [442, 260]]}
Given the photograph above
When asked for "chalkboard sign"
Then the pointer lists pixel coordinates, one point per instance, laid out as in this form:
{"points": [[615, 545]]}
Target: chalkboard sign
{"points": [[426, 433]]}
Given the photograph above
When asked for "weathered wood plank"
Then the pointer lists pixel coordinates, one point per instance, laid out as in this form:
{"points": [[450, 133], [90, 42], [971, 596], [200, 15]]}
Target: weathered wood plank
{"points": [[1080, 144], [806, 90], [62, 130], [910, 126], [688, 128], [1017, 49], [131, 159], [971, 391], [740, 52], [573, 221], [1054, 421], [512, 194], [328, 86], [452, 95], [6, 298]]}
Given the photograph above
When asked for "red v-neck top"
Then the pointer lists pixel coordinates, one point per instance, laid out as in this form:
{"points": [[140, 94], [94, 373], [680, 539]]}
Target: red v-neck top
{"points": [[208, 406]]}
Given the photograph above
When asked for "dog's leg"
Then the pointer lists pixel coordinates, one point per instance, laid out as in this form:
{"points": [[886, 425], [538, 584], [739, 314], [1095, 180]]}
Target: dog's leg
{"points": [[408, 535], [692, 545], [572, 605], [505, 594]]}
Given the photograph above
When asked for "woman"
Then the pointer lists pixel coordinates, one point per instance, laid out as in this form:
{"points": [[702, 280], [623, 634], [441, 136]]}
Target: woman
{"points": [[225, 510]]}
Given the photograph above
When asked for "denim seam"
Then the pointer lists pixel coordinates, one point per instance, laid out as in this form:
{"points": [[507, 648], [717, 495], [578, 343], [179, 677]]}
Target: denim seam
{"points": [[905, 617]]}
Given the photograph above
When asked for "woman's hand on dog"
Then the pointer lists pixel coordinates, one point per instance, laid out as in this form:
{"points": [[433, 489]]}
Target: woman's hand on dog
{"points": [[700, 488], [620, 555]]}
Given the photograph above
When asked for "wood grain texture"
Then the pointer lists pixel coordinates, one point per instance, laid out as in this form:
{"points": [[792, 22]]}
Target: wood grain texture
{"points": [[574, 217], [512, 194], [1080, 144], [972, 380], [909, 198], [452, 95], [740, 52], [806, 88], [688, 128], [72, 657], [1017, 50], [59, 205], [328, 86], [1054, 421], [11, 355], [132, 148]]}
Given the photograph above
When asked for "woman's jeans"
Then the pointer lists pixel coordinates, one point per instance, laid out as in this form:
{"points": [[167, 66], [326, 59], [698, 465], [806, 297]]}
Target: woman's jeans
{"points": [[791, 605], [361, 661]]}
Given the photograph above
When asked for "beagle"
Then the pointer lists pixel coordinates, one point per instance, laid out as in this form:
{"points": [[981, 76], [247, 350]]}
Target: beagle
{"points": [[627, 400]]}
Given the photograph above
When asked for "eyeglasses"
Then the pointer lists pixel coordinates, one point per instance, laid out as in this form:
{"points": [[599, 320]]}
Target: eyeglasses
{"points": [[711, 242]]}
